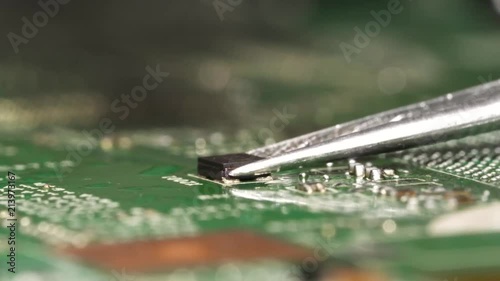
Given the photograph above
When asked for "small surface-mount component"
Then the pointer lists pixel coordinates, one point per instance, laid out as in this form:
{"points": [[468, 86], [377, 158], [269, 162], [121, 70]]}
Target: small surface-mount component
{"points": [[310, 188], [388, 173], [375, 174], [351, 165], [359, 170], [326, 177], [368, 168], [303, 177], [218, 166]]}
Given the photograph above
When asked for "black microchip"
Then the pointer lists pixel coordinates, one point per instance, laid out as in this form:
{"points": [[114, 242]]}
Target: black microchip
{"points": [[218, 166]]}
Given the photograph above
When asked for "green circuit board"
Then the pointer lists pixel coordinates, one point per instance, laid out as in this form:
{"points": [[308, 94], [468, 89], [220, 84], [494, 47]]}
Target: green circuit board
{"points": [[73, 199]]}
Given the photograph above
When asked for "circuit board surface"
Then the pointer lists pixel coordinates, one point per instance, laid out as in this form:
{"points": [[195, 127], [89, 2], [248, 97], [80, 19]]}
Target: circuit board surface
{"points": [[83, 214], [130, 206]]}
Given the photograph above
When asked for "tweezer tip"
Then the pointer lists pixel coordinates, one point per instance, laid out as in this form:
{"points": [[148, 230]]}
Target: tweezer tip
{"points": [[238, 172], [251, 169]]}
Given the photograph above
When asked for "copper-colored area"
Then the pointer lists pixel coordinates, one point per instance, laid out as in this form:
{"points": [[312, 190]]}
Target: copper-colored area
{"points": [[353, 275], [462, 197], [406, 192], [212, 248], [488, 275]]}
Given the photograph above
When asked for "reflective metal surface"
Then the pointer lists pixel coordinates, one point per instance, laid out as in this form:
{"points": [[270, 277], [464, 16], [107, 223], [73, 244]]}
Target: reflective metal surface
{"points": [[457, 114]]}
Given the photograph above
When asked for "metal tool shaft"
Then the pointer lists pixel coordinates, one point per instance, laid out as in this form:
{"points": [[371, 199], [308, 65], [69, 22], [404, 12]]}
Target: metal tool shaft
{"points": [[465, 112]]}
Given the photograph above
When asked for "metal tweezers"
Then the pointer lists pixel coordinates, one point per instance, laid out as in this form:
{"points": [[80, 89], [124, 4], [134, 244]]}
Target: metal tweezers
{"points": [[453, 115]]}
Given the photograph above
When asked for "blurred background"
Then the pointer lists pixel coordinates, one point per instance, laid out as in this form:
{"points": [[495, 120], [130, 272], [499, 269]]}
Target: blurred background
{"points": [[236, 63]]}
